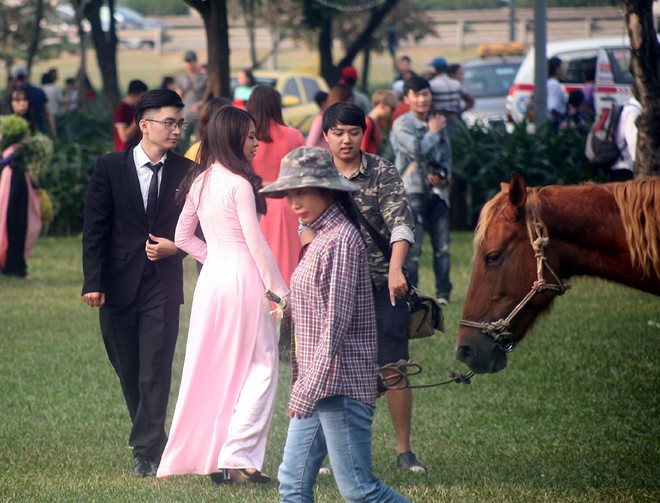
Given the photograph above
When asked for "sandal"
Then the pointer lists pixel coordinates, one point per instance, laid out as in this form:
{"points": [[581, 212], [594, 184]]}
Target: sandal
{"points": [[221, 477], [249, 475]]}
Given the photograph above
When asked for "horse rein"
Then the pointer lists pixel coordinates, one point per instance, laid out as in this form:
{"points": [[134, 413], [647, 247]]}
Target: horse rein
{"points": [[500, 330], [406, 368]]}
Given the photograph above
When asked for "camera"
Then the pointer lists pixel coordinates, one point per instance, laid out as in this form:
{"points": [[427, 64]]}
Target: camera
{"points": [[438, 169]]}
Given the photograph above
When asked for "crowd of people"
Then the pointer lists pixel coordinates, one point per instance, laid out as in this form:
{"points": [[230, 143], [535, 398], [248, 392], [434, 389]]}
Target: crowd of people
{"points": [[263, 209], [310, 243]]}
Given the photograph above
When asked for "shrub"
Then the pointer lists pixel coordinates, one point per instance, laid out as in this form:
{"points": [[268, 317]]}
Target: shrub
{"points": [[485, 156], [83, 135]]}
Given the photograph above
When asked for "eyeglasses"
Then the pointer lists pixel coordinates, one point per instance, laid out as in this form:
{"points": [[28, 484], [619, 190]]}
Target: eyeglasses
{"points": [[182, 125]]}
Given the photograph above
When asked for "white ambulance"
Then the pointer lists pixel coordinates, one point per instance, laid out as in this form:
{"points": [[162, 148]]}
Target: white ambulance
{"points": [[610, 57]]}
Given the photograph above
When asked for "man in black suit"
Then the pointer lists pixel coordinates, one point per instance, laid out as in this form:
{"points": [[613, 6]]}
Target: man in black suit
{"points": [[132, 269]]}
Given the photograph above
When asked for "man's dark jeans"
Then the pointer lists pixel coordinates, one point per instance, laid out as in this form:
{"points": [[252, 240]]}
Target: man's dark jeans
{"points": [[432, 214]]}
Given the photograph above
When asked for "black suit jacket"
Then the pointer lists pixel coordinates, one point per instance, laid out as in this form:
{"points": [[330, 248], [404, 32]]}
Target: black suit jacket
{"points": [[115, 228]]}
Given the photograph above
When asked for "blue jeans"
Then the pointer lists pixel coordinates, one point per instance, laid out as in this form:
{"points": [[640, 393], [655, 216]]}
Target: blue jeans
{"points": [[341, 427], [430, 212]]}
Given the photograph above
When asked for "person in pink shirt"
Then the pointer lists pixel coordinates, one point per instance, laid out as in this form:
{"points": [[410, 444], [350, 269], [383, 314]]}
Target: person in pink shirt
{"points": [[279, 225], [229, 379], [339, 92]]}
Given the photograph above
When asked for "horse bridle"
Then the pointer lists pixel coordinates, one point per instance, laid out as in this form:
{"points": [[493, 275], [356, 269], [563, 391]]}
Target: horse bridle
{"points": [[500, 330]]}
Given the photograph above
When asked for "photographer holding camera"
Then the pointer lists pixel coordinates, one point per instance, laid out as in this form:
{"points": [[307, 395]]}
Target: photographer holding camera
{"points": [[423, 157]]}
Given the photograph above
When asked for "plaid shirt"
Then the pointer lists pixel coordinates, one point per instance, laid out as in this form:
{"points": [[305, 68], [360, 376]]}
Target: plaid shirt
{"points": [[333, 313]]}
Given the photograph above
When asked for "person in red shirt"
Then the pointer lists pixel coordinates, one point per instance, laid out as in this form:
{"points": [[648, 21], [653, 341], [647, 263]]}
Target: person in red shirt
{"points": [[125, 131], [383, 104]]}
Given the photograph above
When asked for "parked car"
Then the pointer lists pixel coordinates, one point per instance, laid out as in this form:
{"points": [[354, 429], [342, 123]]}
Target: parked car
{"points": [[488, 81], [609, 56], [129, 19], [134, 30], [298, 91]]}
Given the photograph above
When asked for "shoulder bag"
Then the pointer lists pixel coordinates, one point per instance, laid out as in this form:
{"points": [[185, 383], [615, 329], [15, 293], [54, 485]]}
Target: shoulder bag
{"points": [[425, 311]]}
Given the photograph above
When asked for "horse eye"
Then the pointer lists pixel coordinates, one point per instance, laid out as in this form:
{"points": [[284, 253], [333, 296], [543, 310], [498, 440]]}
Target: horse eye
{"points": [[493, 258]]}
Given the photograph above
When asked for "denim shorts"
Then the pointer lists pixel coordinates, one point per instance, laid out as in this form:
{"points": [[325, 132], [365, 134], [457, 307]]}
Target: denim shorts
{"points": [[392, 323]]}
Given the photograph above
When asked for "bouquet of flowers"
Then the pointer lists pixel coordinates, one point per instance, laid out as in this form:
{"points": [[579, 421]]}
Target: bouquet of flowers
{"points": [[31, 153]]}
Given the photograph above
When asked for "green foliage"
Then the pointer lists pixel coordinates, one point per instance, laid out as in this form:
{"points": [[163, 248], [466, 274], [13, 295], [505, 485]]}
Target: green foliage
{"points": [[486, 156], [83, 135], [35, 155], [14, 129]]}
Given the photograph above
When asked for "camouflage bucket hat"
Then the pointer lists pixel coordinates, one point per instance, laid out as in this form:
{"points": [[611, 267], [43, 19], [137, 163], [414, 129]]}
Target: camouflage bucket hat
{"points": [[307, 167]]}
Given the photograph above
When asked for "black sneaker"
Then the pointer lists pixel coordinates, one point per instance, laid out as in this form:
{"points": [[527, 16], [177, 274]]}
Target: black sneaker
{"points": [[408, 461]]}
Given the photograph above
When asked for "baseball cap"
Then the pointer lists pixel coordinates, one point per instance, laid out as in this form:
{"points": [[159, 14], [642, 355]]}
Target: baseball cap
{"points": [[349, 75], [440, 64], [190, 57], [19, 71]]}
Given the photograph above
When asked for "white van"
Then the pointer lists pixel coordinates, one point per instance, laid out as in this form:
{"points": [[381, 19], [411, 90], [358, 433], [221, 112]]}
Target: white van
{"points": [[609, 56]]}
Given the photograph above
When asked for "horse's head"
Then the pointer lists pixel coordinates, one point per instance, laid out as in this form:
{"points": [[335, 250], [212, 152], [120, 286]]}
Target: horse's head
{"points": [[503, 300]]}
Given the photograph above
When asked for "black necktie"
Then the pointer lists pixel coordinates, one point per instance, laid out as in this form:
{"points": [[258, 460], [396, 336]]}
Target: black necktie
{"points": [[152, 198]]}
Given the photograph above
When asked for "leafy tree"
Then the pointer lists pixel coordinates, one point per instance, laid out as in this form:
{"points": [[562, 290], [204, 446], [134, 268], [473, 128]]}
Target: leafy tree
{"points": [[408, 19], [24, 33], [645, 67], [320, 16]]}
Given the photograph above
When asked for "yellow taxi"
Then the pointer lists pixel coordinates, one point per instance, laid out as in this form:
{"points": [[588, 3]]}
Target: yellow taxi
{"points": [[298, 91]]}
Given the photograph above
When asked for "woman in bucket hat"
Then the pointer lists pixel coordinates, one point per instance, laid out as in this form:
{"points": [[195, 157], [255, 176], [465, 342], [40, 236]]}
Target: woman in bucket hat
{"points": [[334, 370]]}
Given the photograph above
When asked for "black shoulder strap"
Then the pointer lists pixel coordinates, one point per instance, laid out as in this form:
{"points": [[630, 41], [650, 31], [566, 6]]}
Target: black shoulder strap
{"points": [[380, 241]]}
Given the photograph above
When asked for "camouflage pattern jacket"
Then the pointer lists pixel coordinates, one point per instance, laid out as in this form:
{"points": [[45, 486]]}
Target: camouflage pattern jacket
{"points": [[384, 204]]}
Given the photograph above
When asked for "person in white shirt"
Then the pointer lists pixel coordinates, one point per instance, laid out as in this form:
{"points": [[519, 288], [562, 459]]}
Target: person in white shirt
{"points": [[557, 99], [626, 140]]}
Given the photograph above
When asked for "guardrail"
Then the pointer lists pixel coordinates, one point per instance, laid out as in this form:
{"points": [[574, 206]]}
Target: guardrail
{"points": [[462, 28]]}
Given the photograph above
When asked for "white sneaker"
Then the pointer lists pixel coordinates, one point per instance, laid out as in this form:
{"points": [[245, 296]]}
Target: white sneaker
{"points": [[443, 301], [325, 470]]}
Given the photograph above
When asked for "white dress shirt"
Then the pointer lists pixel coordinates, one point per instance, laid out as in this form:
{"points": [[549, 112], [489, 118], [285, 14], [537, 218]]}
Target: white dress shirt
{"points": [[144, 172]]}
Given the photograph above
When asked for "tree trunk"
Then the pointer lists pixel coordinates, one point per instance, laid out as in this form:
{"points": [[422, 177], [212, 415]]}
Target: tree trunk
{"points": [[214, 14], [251, 26], [105, 45], [329, 71], [364, 85], [645, 67], [34, 39]]}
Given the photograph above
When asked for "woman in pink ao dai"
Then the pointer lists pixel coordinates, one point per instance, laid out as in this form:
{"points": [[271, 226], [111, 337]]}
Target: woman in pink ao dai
{"points": [[229, 379]]}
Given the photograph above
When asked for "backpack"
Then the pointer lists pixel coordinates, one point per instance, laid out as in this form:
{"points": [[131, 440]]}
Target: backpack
{"points": [[601, 148]]}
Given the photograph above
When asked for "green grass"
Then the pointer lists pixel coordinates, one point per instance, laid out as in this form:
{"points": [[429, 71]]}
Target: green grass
{"points": [[575, 416]]}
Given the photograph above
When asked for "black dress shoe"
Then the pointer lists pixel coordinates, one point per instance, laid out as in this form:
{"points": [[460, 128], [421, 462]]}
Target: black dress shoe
{"points": [[143, 467]]}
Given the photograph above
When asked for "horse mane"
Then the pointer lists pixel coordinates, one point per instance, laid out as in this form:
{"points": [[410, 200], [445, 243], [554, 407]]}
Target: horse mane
{"points": [[639, 206], [490, 210]]}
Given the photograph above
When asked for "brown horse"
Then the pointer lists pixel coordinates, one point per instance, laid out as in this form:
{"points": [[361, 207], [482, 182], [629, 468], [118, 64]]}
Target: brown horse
{"points": [[530, 241]]}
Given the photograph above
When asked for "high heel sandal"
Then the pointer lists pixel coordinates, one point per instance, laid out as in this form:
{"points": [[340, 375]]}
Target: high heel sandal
{"points": [[221, 477], [249, 475]]}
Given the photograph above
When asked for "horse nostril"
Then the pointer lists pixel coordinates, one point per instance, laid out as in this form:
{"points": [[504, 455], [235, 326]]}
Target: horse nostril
{"points": [[463, 352]]}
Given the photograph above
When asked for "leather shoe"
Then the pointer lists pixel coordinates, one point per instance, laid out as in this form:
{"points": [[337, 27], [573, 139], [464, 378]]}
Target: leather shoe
{"points": [[143, 467]]}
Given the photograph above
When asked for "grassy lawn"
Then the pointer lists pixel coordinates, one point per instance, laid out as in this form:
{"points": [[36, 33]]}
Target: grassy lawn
{"points": [[575, 417]]}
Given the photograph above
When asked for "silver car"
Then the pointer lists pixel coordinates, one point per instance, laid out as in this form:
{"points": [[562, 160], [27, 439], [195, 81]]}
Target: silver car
{"points": [[489, 81]]}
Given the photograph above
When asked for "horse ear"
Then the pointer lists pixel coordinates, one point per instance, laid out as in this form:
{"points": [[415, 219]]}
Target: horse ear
{"points": [[517, 191], [504, 187]]}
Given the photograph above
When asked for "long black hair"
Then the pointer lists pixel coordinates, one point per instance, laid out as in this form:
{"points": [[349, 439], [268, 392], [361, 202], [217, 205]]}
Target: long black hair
{"points": [[265, 105], [345, 202], [222, 141]]}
